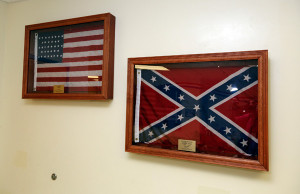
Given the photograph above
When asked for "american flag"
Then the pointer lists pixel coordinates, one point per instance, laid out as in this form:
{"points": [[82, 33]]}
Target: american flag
{"points": [[72, 57], [216, 107]]}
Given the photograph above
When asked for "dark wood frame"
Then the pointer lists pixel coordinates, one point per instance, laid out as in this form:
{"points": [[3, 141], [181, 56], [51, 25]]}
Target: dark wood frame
{"points": [[263, 160], [108, 58]]}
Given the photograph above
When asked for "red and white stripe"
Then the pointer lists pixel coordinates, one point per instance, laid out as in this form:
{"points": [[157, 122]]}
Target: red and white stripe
{"points": [[81, 67]]}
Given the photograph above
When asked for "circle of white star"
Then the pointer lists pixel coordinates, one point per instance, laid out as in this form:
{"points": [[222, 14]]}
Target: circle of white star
{"points": [[180, 117], [167, 88], [247, 77], [213, 97], [181, 97], [164, 126], [244, 142], [150, 133], [153, 79], [211, 119], [229, 87], [196, 107], [227, 130]]}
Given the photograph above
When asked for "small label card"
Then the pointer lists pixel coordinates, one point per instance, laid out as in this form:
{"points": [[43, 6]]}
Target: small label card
{"points": [[58, 89], [187, 145]]}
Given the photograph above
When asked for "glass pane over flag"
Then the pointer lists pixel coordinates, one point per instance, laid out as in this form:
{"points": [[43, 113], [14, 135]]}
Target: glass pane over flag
{"points": [[214, 104], [68, 56]]}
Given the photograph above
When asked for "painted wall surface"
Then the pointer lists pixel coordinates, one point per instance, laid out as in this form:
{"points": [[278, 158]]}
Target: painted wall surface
{"points": [[83, 141]]}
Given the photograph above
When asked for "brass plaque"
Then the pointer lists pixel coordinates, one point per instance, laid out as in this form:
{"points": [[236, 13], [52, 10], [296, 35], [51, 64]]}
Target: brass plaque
{"points": [[187, 145], [59, 89]]}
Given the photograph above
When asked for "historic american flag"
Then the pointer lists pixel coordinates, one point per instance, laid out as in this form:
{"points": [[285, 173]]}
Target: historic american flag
{"points": [[72, 57], [216, 107]]}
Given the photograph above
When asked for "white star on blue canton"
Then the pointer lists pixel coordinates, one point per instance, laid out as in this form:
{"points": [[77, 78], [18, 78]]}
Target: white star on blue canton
{"points": [[229, 87], [227, 130], [211, 119], [247, 77], [150, 133], [212, 97], [167, 88], [196, 107], [164, 126], [244, 142], [153, 79], [180, 117], [181, 97]]}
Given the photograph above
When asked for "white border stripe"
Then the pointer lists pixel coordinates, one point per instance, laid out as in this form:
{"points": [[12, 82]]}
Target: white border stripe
{"points": [[222, 82], [70, 84], [168, 115], [83, 54], [170, 131], [83, 43], [83, 33], [227, 119], [222, 137], [70, 74], [174, 84], [70, 64]]}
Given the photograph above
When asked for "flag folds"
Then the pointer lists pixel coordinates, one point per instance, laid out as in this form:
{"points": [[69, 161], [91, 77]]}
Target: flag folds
{"points": [[71, 56], [214, 106]]}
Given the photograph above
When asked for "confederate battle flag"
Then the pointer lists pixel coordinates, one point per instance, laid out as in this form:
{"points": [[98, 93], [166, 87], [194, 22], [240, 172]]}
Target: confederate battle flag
{"points": [[216, 106]]}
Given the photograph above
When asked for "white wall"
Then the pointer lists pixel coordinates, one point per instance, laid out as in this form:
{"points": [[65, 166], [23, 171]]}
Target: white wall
{"points": [[83, 141]]}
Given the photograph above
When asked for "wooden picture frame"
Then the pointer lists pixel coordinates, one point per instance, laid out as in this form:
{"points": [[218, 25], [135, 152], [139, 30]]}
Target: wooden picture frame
{"points": [[214, 62], [70, 59]]}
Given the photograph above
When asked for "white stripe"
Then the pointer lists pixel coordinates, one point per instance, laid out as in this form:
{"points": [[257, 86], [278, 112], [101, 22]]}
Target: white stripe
{"points": [[70, 74], [168, 115], [230, 121], [83, 33], [210, 89], [177, 86], [83, 54], [83, 43], [137, 105], [170, 131], [70, 64], [70, 84], [222, 82], [222, 137]]}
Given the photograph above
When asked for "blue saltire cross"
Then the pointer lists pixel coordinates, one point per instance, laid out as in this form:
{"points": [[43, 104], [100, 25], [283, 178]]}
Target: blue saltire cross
{"points": [[202, 109]]}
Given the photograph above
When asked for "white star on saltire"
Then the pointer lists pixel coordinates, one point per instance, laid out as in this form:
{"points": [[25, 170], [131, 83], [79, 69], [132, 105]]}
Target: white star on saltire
{"points": [[247, 77], [164, 126], [227, 130], [244, 142], [150, 133], [229, 87], [211, 118], [181, 97], [153, 79], [196, 107], [167, 88], [180, 117], [213, 97]]}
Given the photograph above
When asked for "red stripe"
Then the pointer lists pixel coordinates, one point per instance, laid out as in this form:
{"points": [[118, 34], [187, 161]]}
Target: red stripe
{"points": [[68, 69], [72, 89], [83, 48], [80, 59], [84, 38], [81, 29], [67, 79]]}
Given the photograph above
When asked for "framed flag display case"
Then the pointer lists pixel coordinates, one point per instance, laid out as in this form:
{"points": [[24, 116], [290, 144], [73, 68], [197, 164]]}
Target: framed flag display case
{"points": [[210, 108], [70, 59]]}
